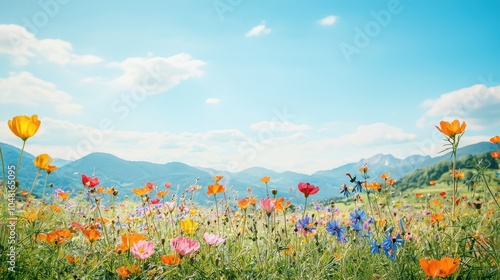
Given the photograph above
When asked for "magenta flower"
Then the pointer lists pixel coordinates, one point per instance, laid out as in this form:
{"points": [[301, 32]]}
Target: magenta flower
{"points": [[213, 239], [268, 204], [184, 245], [143, 249]]}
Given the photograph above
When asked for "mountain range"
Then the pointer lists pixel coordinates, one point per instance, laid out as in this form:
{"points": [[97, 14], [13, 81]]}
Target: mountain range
{"points": [[125, 175]]}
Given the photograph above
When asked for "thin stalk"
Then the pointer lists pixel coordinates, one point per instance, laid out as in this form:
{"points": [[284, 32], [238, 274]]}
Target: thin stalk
{"points": [[45, 185]]}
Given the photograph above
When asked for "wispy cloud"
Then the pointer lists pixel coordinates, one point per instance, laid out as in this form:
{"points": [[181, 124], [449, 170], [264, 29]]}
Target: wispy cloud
{"points": [[329, 20], [25, 89], [153, 75], [467, 104], [22, 46], [212, 101], [258, 30], [279, 126]]}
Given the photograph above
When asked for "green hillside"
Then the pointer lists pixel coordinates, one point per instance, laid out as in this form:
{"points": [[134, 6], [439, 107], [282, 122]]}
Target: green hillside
{"points": [[441, 171]]}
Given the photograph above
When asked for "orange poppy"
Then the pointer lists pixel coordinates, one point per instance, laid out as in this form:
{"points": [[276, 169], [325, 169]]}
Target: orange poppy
{"points": [[42, 161], [100, 189], [50, 168], [162, 193], [128, 241], [253, 201], [217, 178], [72, 259], [244, 203], [495, 140], [91, 234], [124, 271], [364, 169], [141, 191], [385, 176], [419, 195], [171, 259], [442, 268], [436, 217], [433, 182], [495, 154], [391, 181], [24, 193], [215, 189], [281, 205], [63, 195], [451, 129], [265, 179]]}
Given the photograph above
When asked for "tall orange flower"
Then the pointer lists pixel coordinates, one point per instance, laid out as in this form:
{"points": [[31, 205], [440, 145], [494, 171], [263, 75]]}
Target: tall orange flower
{"points": [[124, 271], [244, 203], [265, 179], [385, 176], [432, 182], [128, 241], [495, 154], [42, 161], [442, 268], [451, 129], [281, 205], [141, 191], [495, 140], [24, 127], [91, 234], [391, 181], [215, 189]]}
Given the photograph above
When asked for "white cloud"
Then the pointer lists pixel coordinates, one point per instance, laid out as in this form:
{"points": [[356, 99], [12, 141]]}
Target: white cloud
{"points": [[328, 21], [258, 30], [212, 101], [467, 104], [154, 75], [25, 89], [22, 46], [279, 126]]}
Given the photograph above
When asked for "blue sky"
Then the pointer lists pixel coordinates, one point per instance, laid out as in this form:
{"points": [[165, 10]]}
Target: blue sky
{"points": [[231, 84]]}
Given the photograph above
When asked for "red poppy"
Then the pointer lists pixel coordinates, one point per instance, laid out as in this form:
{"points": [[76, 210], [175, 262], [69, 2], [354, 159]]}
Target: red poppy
{"points": [[155, 201], [443, 194], [90, 182], [308, 189]]}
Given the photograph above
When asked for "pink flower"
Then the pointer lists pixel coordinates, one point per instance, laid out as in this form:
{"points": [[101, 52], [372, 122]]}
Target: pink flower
{"points": [[268, 204], [308, 189], [184, 245], [168, 185], [170, 206], [213, 239], [143, 249]]}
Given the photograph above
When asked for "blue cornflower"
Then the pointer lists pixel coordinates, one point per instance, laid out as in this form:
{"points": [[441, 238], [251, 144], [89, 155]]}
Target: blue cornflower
{"points": [[344, 190], [318, 207], [358, 216], [358, 187], [391, 244], [305, 225], [338, 231], [374, 247]]}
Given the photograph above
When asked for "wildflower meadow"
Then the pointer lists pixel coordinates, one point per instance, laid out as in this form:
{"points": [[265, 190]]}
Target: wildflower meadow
{"points": [[384, 232]]}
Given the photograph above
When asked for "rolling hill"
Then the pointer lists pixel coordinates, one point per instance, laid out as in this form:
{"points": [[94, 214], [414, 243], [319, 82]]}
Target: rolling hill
{"points": [[125, 175]]}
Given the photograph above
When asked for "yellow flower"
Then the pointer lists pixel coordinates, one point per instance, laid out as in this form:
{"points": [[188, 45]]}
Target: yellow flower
{"points": [[189, 226], [265, 179], [451, 129], [42, 161], [24, 127]]}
